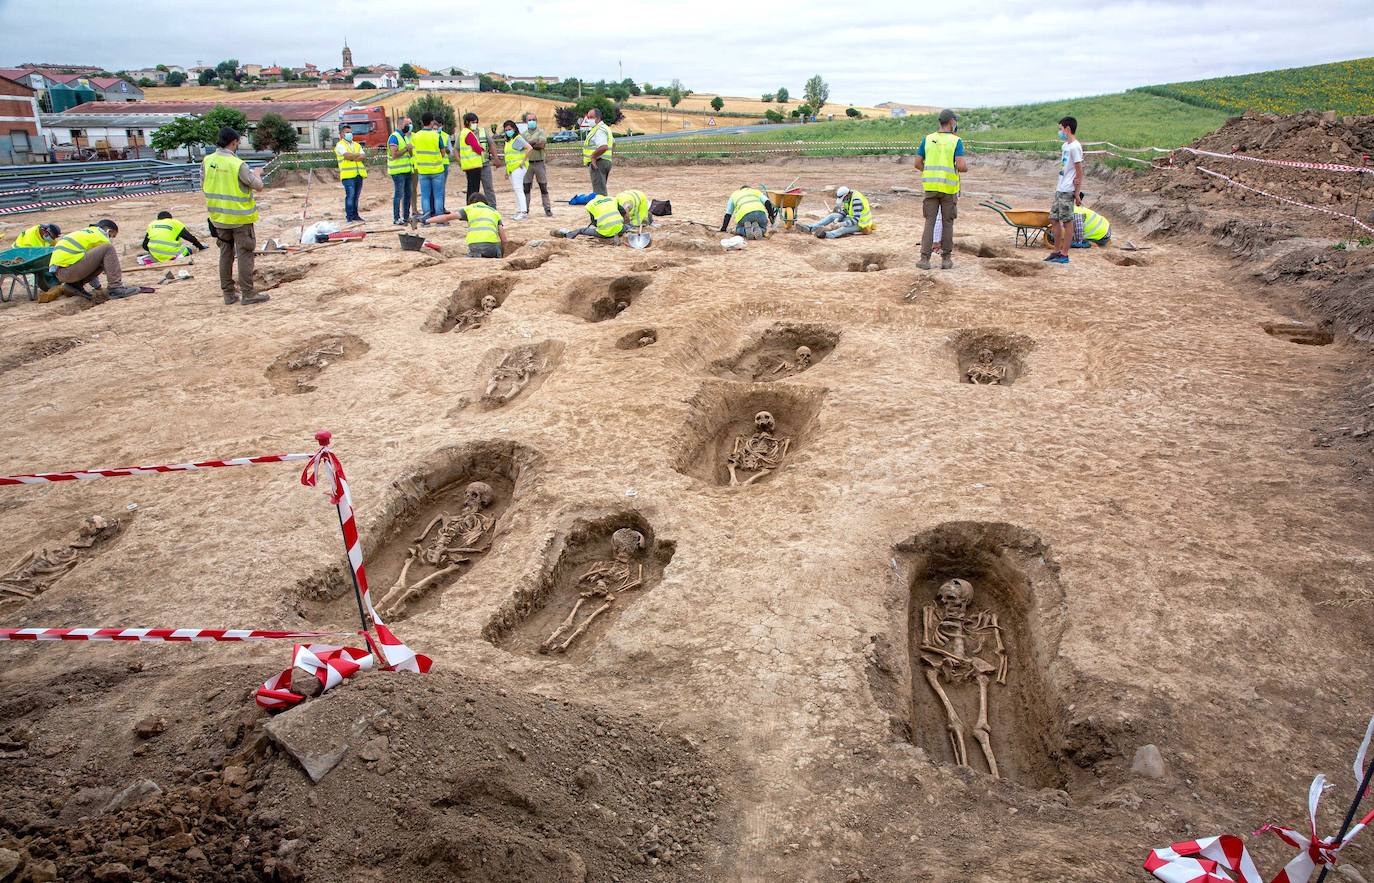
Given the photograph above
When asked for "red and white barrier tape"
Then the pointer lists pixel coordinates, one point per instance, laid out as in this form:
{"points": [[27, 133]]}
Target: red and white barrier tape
{"points": [[330, 664], [1207, 860], [1275, 196], [106, 185], [63, 203], [1286, 163]]}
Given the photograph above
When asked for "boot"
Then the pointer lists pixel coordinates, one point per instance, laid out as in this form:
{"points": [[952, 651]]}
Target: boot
{"points": [[924, 263], [255, 298], [123, 290], [820, 234], [230, 298], [947, 263]]}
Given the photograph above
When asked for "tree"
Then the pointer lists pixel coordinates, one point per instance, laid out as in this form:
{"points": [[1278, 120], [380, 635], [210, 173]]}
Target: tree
{"points": [[619, 93], [565, 117], [180, 132], [145, 83], [610, 112], [630, 85], [362, 71], [442, 110], [274, 133], [852, 112], [206, 77], [817, 93], [408, 72], [783, 95], [806, 111], [772, 116], [766, 98], [675, 93], [650, 89], [228, 69], [175, 78], [366, 84], [160, 67], [717, 104], [220, 116], [796, 113], [540, 85], [486, 84]]}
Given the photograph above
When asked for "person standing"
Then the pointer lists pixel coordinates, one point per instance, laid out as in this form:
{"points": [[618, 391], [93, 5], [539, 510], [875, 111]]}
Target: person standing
{"points": [[940, 160], [470, 152], [538, 171], [351, 171], [81, 256], [1068, 191], [517, 157], [488, 151], [427, 155], [228, 186], [446, 156], [164, 237], [597, 151], [400, 165]]}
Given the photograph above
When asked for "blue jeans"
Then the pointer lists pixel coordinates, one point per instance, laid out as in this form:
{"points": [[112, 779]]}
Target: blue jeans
{"points": [[400, 197], [439, 196], [848, 226], [759, 218], [431, 189], [353, 188]]}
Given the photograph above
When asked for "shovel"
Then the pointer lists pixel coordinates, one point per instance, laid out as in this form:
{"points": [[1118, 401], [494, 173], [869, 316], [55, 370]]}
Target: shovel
{"points": [[639, 239]]}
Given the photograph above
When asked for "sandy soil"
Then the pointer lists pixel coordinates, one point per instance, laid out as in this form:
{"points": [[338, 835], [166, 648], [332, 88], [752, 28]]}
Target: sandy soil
{"points": [[1174, 557]]}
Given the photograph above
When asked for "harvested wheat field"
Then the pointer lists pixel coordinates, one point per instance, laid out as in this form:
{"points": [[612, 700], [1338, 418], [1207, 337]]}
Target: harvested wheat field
{"points": [[642, 672]]}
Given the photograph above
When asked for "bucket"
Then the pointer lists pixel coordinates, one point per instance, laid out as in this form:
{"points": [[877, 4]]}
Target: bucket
{"points": [[411, 242]]}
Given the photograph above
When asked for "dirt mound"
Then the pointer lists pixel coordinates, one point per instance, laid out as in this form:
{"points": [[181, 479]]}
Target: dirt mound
{"points": [[1337, 285], [469, 781]]}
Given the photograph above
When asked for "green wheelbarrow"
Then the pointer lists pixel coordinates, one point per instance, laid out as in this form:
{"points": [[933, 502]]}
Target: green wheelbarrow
{"points": [[17, 265], [1030, 225]]}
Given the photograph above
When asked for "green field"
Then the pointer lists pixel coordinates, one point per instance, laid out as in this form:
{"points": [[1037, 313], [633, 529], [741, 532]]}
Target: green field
{"points": [[1346, 87]]}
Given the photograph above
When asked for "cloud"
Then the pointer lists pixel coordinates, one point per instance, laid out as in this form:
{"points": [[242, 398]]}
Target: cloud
{"points": [[977, 52]]}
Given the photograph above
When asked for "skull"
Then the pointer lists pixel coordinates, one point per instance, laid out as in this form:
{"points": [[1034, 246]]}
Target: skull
{"points": [[985, 356], [764, 421], [954, 596], [488, 303], [803, 356], [621, 306], [92, 525], [478, 495], [627, 541]]}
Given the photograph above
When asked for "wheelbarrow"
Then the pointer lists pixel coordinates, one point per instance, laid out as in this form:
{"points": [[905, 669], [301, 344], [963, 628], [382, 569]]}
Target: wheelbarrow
{"points": [[787, 202], [1030, 225], [17, 265]]}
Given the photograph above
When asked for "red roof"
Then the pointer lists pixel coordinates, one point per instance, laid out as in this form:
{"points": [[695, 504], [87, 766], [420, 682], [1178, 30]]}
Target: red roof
{"points": [[15, 83], [254, 110], [271, 70]]}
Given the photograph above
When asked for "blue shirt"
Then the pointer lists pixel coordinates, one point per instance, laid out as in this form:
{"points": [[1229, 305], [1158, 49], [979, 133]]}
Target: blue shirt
{"points": [[958, 148]]}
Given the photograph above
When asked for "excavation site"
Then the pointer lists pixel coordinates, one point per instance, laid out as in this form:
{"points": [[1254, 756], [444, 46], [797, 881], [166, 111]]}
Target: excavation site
{"points": [[785, 560]]}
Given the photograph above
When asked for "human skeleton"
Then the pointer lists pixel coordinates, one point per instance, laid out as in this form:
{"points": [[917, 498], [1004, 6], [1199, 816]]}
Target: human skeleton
{"points": [[457, 536], [759, 453], [953, 643], [472, 318], [986, 371], [319, 356], [803, 362], [603, 580], [510, 376], [42, 567]]}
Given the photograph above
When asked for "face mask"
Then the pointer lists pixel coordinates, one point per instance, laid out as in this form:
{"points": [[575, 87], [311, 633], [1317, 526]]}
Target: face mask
{"points": [[510, 133], [1063, 136], [531, 125], [591, 121], [406, 129], [348, 136]]}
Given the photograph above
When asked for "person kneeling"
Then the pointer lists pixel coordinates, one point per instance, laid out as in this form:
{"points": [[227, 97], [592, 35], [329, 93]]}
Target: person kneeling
{"points": [[486, 234], [749, 213], [852, 212], [81, 257], [607, 221]]}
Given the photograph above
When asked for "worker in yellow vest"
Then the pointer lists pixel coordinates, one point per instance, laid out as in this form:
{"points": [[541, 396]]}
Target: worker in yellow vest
{"points": [[517, 156], [748, 212], [168, 239], [940, 160], [1091, 228], [427, 148], [471, 153], [635, 206], [400, 166], [228, 185], [597, 150], [445, 154], [38, 236], [351, 171], [81, 256], [853, 213], [486, 233], [608, 220]]}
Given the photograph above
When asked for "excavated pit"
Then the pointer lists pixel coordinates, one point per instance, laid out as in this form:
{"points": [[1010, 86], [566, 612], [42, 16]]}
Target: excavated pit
{"points": [[576, 563], [1008, 349], [293, 372], [772, 354], [860, 262], [35, 350], [637, 339], [536, 259], [509, 375], [1299, 333], [27, 576], [652, 265], [1015, 594], [722, 412], [278, 274], [595, 299], [1017, 269], [977, 248], [436, 487], [459, 308], [1123, 260]]}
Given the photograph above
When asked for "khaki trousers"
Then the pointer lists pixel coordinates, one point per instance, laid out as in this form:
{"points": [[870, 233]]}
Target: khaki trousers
{"points": [[100, 259], [236, 244]]}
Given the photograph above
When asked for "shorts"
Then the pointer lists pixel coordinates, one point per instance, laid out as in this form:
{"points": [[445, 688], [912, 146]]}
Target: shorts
{"points": [[1062, 207]]}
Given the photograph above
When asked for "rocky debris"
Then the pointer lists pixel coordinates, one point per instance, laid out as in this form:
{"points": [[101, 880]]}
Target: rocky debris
{"points": [[317, 753], [133, 793], [1148, 762], [150, 726], [9, 861]]}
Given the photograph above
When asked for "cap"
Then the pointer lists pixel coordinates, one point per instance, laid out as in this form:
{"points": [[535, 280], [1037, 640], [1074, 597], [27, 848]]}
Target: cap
{"points": [[52, 230], [841, 192], [948, 115], [107, 224]]}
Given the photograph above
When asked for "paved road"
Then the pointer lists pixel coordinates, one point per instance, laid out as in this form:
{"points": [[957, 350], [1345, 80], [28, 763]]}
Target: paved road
{"points": [[714, 130]]}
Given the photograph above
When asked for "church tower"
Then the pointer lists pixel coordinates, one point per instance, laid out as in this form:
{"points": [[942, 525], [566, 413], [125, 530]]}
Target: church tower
{"points": [[347, 56]]}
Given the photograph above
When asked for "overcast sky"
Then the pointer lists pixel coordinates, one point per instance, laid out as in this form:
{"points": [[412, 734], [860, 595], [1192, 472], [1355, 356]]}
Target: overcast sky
{"points": [[976, 53]]}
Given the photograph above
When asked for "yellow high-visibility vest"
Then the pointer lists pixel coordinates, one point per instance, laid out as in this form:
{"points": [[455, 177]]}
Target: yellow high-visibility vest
{"points": [[1095, 227], [860, 210], [636, 205], [73, 247], [467, 157], [445, 148], [588, 149], [427, 152], [515, 159], [939, 174], [484, 138], [606, 217], [482, 223], [164, 239], [227, 201], [31, 238], [746, 200], [399, 165], [350, 161]]}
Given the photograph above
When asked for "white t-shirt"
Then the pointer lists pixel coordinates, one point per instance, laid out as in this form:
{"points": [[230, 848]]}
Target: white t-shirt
{"points": [[1069, 153], [597, 138]]}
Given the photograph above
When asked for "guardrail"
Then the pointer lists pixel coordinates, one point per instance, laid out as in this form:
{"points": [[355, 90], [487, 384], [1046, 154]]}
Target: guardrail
{"points": [[66, 184]]}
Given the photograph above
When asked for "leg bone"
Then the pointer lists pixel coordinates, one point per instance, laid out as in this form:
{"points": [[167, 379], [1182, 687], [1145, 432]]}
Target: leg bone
{"points": [[955, 725]]}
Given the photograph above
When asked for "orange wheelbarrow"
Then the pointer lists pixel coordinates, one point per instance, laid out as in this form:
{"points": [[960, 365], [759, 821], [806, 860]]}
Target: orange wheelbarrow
{"points": [[1030, 225]]}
